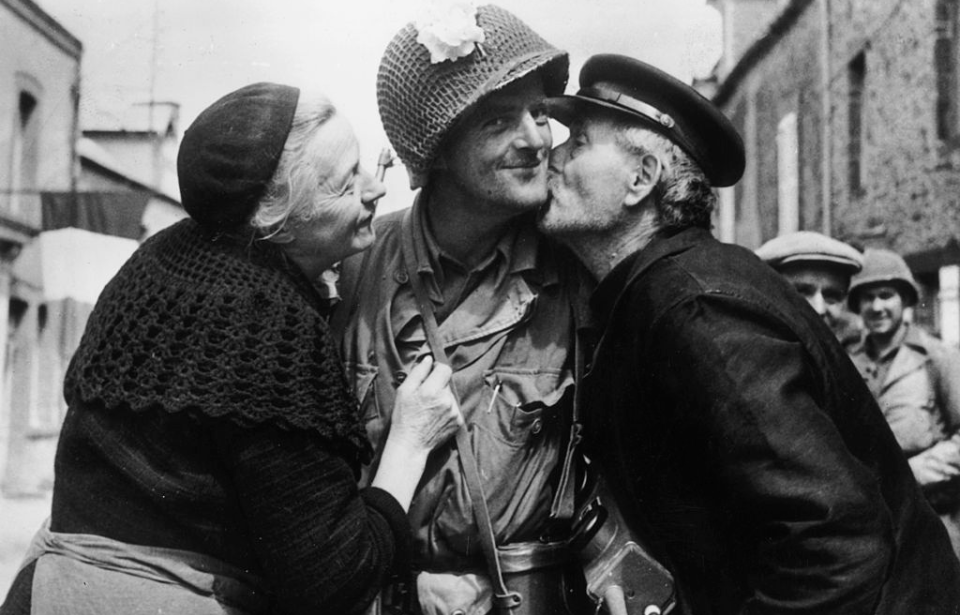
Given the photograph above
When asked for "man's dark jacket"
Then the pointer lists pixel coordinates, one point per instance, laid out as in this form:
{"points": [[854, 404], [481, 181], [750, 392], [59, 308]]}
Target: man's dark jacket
{"points": [[746, 447]]}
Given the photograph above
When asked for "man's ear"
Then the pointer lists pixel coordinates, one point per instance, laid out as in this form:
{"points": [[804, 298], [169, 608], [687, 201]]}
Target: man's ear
{"points": [[643, 179]]}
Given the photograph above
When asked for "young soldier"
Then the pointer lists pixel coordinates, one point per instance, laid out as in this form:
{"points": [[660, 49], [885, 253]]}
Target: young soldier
{"points": [[915, 378], [470, 124]]}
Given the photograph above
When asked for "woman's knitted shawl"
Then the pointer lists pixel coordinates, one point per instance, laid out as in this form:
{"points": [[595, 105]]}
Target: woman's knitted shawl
{"points": [[222, 327]]}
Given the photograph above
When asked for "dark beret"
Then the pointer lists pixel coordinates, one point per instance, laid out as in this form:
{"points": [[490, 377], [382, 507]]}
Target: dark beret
{"points": [[230, 152], [663, 104]]}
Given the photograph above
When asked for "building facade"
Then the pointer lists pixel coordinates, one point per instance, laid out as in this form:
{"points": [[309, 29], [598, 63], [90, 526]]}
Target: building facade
{"points": [[39, 95], [74, 205], [850, 111]]}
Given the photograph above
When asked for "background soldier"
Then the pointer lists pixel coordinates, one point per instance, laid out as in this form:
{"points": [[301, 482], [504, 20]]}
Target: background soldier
{"points": [[915, 378]]}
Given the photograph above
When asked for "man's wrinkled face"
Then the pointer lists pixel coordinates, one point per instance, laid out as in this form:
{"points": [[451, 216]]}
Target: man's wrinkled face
{"points": [[881, 308], [825, 288], [498, 155], [589, 176]]}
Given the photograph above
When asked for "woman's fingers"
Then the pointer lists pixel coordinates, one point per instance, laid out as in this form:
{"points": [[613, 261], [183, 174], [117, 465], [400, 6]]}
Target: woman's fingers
{"points": [[438, 378], [418, 373]]}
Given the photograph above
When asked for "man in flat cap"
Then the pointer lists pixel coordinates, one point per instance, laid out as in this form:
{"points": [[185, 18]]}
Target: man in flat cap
{"points": [[465, 275], [819, 268], [735, 432], [915, 378]]}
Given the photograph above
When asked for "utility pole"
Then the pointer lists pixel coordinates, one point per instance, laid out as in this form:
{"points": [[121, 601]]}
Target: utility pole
{"points": [[153, 61]]}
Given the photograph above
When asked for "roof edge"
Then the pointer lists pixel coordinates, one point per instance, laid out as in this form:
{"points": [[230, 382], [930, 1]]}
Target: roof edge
{"points": [[52, 29], [756, 52]]}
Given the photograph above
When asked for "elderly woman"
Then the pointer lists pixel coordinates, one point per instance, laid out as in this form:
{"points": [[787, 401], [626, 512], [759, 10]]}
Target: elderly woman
{"points": [[209, 457]]}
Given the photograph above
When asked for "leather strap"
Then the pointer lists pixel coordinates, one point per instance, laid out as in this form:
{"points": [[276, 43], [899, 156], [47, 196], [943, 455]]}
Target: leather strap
{"points": [[564, 503], [504, 599]]}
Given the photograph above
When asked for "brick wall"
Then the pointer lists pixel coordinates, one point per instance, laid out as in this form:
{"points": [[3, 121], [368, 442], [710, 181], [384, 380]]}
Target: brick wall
{"points": [[910, 179]]}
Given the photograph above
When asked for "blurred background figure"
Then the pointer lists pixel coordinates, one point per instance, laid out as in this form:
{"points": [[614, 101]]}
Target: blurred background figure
{"points": [[915, 378], [819, 268]]}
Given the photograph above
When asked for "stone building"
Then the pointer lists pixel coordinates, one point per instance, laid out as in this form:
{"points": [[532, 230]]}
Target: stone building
{"points": [[850, 111], [73, 207], [39, 95]]}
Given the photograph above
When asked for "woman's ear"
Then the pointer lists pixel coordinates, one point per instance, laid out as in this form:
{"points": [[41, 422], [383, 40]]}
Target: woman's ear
{"points": [[643, 179], [282, 236]]}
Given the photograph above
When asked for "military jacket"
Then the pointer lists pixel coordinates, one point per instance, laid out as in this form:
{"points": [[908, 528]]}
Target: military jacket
{"points": [[509, 344]]}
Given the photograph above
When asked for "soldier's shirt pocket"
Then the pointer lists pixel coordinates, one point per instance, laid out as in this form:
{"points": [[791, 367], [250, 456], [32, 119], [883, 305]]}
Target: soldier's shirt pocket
{"points": [[520, 404]]}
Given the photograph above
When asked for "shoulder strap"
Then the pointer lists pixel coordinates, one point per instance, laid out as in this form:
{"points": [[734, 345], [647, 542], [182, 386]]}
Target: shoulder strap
{"points": [[564, 503], [503, 597]]}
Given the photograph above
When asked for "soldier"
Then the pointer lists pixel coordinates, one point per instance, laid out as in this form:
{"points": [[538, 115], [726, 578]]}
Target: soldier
{"points": [[915, 378], [464, 273], [819, 268]]}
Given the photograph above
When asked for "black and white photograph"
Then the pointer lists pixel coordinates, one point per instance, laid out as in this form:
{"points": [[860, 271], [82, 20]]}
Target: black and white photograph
{"points": [[451, 307]]}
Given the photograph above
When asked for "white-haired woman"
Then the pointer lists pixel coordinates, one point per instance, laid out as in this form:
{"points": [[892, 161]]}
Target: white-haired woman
{"points": [[209, 456]]}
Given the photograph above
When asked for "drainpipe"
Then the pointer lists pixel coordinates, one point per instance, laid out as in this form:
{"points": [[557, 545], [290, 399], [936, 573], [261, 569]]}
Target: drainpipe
{"points": [[75, 132], [826, 146]]}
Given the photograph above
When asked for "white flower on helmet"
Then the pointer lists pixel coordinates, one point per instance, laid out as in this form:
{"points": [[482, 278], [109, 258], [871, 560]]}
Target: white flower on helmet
{"points": [[449, 30]]}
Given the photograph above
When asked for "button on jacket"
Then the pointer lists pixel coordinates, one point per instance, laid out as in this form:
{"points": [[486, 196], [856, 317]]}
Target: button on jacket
{"points": [[744, 444]]}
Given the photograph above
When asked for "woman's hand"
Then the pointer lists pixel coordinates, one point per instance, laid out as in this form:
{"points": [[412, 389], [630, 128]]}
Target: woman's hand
{"points": [[425, 413], [937, 464]]}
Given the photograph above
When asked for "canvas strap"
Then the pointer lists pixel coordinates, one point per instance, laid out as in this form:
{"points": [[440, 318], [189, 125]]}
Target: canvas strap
{"points": [[504, 599]]}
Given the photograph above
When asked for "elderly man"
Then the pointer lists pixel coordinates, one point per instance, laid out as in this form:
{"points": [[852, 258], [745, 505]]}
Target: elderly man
{"points": [[819, 268], [915, 378], [465, 275], [735, 433]]}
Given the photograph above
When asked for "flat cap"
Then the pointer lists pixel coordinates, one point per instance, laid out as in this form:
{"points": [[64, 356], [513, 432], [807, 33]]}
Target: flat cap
{"points": [[810, 247], [230, 152], [661, 103]]}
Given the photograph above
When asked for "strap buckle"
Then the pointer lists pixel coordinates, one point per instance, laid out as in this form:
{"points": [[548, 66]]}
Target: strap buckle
{"points": [[507, 601]]}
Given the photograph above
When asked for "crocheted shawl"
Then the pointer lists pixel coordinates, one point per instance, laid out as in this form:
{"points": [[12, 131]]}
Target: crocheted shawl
{"points": [[219, 326]]}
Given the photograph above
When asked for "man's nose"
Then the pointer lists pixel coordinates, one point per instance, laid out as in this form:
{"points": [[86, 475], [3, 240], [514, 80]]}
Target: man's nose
{"points": [[558, 157], [817, 303], [533, 134]]}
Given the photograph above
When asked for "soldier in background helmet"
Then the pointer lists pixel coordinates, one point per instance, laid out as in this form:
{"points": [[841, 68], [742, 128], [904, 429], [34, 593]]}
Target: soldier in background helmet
{"points": [[915, 378], [467, 119], [819, 268]]}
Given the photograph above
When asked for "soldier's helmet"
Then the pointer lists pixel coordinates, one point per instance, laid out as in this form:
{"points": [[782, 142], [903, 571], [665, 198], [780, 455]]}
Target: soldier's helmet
{"points": [[883, 267], [426, 81]]}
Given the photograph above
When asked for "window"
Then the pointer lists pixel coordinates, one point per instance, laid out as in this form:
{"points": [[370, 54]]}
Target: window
{"points": [[945, 52], [857, 74], [727, 215], [788, 175], [25, 144]]}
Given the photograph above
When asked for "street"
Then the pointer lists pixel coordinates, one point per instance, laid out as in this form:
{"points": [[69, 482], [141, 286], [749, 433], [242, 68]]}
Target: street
{"points": [[19, 520]]}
